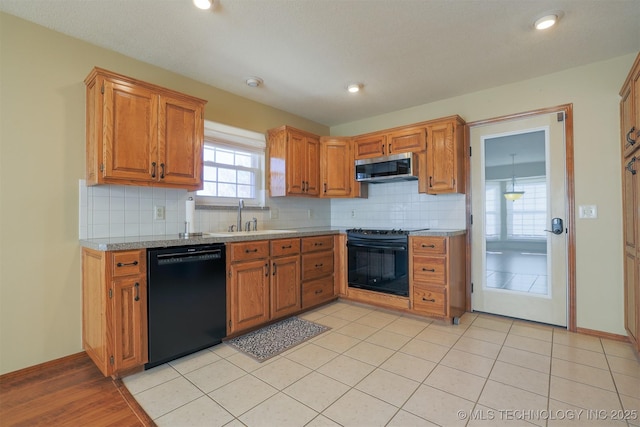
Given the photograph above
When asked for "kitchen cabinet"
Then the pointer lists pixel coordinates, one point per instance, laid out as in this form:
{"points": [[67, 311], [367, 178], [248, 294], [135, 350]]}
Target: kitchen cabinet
{"points": [[114, 309], [285, 277], [318, 272], [337, 170], [393, 141], [263, 282], [630, 140], [142, 134], [442, 165], [293, 165], [437, 276]]}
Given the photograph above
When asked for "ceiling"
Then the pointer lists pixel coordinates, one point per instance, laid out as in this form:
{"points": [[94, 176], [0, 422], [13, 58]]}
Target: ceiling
{"points": [[405, 52]]}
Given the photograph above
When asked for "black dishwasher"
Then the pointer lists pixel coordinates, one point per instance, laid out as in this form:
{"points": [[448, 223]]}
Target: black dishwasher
{"points": [[186, 301]]}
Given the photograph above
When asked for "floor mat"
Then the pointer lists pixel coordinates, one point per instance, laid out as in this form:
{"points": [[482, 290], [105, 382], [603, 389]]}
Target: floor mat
{"points": [[272, 340]]}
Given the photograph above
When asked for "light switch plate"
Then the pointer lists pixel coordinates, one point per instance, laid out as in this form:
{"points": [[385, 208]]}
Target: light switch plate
{"points": [[588, 211]]}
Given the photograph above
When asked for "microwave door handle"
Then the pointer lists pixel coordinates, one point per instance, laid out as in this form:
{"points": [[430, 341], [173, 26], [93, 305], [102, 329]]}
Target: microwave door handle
{"points": [[370, 246]]}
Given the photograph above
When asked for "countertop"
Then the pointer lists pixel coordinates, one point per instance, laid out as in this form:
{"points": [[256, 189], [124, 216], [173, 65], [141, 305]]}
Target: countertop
{"points": [[169, 240]]}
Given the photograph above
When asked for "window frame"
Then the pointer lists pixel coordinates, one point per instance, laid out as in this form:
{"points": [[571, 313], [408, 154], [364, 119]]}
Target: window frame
{"points": [[225, 136]]}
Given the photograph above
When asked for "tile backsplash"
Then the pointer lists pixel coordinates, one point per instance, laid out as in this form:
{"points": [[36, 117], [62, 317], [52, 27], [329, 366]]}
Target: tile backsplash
{"points": [[128, 211]]}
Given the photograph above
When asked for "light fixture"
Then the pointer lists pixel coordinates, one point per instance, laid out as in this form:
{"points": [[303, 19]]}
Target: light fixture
{"points": [[203, 4], [545, 22], [354, 87], [254, 81], [513, 195]]}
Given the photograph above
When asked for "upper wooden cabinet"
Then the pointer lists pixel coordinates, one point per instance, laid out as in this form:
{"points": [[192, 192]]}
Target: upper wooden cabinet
{"points": [[337, 175], [293, 166], [142, 134], [392, 141], [442, 168], [630, 162], [630, 111]]}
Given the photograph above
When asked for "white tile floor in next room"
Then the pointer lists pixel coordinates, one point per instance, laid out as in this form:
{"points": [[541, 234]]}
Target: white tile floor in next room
{"points": [[380, 368]]}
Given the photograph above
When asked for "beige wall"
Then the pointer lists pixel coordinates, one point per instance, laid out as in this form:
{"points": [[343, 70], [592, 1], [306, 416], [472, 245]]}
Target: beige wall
{"points": [[42, 125], [593, 91]]}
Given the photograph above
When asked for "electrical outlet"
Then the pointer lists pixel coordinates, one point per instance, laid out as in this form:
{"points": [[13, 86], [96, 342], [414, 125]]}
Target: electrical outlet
{"points": [[588, 211], [158, 212], [353, 213]]}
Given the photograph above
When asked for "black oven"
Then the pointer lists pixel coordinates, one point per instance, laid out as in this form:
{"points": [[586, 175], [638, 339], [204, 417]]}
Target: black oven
{"points": [[378, 260]]}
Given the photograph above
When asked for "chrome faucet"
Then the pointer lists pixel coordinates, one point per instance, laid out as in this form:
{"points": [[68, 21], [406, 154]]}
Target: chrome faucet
{"points": [[239, 223]]}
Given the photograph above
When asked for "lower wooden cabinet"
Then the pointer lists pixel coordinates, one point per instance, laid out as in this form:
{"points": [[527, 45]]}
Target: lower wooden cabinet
{"points": [[318, 278], [437, 276], [114, 309], [263, 282]]}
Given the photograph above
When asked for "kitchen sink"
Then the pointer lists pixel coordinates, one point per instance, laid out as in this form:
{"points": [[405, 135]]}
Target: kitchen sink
{"points": [[246, 233]]}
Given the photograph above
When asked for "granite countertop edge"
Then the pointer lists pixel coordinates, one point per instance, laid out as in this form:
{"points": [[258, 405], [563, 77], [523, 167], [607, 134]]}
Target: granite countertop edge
{"points": [[171, 240]]}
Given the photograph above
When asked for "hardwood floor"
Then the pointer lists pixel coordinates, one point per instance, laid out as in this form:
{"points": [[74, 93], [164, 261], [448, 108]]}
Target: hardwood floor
{"points": [[67, 392]]}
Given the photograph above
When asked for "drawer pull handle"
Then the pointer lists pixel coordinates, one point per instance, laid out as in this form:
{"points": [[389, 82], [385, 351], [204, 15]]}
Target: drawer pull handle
{"points": [[161, 170], [266, 270], [432, 270], [318, 292], [317, 244], [153, 169], [120, 264], [428, 300], [248, 251], [428, 246], [319, 265], [137, 286], [274, 269], [630, 141], [287, 247]]}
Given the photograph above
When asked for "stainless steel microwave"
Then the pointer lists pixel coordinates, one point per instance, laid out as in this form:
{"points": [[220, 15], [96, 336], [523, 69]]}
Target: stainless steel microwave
{"points": [[395, 167]]}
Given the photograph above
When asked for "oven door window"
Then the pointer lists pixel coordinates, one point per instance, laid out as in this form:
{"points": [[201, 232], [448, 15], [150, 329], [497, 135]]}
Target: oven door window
{"points": [[379, 267]]}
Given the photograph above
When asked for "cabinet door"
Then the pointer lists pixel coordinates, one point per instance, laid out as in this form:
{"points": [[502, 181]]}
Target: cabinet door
{"points": [[130, 137], [441, 159], [312, 166], [369, 146], [180, 140], [248, 294], [129, 317], [407, 140], [336, 167], [296, 158], [285, 286]]}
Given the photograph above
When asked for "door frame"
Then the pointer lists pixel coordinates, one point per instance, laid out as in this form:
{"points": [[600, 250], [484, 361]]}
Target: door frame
{"points": [[567, 109]]}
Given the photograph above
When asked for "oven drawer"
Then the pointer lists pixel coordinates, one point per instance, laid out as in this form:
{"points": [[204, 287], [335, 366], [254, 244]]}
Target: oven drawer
{"points": [[429, 245], [249, 250], [430, 300], [317, 291], [282, 247], [319, 243], [430, 270], [317, 264]]}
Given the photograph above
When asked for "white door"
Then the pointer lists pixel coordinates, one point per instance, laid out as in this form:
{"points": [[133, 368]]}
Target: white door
{"points": [[519, 266]]}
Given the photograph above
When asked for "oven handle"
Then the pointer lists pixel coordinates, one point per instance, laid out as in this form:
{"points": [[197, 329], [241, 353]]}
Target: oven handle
{"points": [[373, 246]]}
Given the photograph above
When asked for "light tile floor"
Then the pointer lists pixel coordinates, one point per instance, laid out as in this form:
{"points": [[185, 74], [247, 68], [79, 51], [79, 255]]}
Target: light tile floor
{"points": [[381, 368]]}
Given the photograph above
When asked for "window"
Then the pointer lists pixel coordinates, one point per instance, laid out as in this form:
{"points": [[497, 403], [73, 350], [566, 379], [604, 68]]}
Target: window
{"points": [[233, 166], [527, 217]]}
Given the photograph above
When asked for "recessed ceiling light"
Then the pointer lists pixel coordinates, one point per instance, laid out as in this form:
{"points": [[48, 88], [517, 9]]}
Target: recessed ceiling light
{"points": [[203, 4], [254, 81], [545, 22], [354, 87]]}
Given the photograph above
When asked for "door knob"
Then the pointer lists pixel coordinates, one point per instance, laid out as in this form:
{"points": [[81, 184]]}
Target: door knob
{"points": [[557, 226]]}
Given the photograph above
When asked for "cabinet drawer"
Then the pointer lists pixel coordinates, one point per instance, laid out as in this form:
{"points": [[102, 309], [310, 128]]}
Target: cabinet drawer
{"points": [[249, 250], [430, 300], [317, 291], [317, 264], [429, 269], [310, 244], [282, 247], [429, 245], [127, 263]]}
